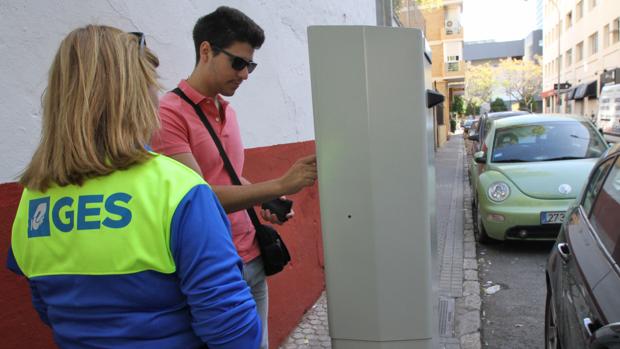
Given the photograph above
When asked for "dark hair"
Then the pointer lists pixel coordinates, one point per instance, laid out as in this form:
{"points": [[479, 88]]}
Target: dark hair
{"points": [[225, 26]]}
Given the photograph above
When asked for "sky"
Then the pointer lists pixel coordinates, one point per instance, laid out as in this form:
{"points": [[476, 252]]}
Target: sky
{"points": [[499, 20]]}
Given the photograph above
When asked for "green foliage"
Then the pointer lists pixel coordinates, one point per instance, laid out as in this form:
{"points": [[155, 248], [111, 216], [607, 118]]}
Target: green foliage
{"points": [[457, 105], [480, 82], [522, 79], [472, 109], [498, 105]]}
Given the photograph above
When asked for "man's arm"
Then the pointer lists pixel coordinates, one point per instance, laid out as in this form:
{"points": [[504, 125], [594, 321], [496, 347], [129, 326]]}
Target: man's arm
{"points": [[234, 198]]}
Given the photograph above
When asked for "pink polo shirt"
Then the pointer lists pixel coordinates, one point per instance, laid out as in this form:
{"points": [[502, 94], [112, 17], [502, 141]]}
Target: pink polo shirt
{"points": [[183, 132]]}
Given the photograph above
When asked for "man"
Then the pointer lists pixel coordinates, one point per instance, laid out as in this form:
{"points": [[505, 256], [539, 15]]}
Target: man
{"points": [[225, 41]]}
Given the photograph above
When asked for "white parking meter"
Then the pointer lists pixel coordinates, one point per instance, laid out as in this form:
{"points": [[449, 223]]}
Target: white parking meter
{"points": [[374, 139]]}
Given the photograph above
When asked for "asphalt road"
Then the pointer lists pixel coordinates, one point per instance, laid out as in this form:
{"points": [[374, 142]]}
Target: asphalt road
{"points": [[514, 316]]}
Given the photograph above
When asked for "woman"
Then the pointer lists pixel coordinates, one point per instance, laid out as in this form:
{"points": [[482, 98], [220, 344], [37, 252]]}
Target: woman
{"points": [[122, 248]]}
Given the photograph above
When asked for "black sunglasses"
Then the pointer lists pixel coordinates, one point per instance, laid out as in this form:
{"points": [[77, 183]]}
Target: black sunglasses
{"points": [[141, 40], [236, 62]]}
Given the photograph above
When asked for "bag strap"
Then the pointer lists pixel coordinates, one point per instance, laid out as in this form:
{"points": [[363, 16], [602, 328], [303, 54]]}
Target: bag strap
{"points": [[227, 164]]}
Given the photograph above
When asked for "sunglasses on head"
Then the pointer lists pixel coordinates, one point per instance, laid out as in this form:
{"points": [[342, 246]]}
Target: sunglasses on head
{"points": [[236, 62], [141, 40]]}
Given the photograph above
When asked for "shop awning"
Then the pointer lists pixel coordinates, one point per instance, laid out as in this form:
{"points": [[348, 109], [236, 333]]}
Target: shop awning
{"points": [[585, 90], [570, 94]]}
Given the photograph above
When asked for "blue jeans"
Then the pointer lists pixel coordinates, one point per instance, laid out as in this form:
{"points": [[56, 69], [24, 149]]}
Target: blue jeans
{"points": [[254, 275]]}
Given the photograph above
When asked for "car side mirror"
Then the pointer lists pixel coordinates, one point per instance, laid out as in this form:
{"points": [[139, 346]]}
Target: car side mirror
{"points": [[606, 337], [480, 157], [473, 137]]}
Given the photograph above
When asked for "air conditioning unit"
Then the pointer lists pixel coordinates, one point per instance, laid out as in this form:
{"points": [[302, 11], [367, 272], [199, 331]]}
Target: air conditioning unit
{"points": [[451, 26]]}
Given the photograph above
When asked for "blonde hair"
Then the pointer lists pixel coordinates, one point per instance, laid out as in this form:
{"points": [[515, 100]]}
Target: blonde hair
{"points": [[98, 113]]}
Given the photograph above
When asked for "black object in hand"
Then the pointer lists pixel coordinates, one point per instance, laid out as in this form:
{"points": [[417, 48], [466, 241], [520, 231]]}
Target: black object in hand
{"points": [[279, 207]]}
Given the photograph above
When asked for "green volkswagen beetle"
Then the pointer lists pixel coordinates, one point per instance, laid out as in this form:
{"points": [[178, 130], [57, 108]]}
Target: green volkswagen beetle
{"points": [[532, 167]]}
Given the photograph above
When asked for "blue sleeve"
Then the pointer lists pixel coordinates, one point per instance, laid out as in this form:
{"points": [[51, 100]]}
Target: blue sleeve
{"points": [[37, 302], [223, 311], [11, 263]]}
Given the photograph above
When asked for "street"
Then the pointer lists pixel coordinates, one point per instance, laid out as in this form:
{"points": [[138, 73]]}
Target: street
{"points": [[513, 316]]}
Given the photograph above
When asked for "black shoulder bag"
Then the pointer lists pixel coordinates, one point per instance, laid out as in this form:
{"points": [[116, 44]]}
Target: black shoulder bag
{"points": [[273, 251]]}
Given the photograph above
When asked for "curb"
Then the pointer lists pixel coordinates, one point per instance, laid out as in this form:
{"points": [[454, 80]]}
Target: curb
{"points": [[469, 306]]}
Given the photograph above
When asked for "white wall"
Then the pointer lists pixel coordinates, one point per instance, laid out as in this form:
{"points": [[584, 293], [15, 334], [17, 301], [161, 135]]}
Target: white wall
{"points": [[274, 105]]}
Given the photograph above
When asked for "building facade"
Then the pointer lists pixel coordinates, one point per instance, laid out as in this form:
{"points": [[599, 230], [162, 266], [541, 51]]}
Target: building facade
{"points": [[444, 33], [581, 45]]}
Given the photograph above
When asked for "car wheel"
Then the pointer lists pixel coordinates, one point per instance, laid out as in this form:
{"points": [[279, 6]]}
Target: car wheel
{"points": [[479, 233], [551, 331]]}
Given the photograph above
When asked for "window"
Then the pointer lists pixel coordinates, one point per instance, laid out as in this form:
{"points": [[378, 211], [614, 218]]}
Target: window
{"points": [[547, 141], [604, 222], [592, 4], [569, 19], [579, 53], [606, 36], [593, 42], [579, 10], [615, 31], [594, 185], [569, 57], [453, 66]]}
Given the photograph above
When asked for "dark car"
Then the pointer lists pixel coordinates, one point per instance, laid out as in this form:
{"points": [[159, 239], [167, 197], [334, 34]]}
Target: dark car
{"points": [[483, 126], [583, 272]]}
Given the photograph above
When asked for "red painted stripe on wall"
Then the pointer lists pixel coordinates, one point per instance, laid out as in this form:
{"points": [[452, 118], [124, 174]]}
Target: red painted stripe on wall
{"points": [[291, 292], [20, 326], [296, 289]]}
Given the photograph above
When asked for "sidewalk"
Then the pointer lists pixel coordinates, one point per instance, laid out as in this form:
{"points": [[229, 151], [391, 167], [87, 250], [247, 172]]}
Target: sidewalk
{"points": [[459, 288]]}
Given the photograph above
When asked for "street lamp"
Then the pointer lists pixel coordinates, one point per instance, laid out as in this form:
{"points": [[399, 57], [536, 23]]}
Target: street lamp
{"points": [[557, 96]]}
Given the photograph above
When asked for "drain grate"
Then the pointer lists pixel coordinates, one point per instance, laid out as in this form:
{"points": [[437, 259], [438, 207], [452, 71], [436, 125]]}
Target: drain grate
{"points": [[446, 317]]}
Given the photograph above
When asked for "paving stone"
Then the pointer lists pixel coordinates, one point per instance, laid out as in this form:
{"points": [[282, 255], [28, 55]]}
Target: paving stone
{"points": [[471, 287], [471, 341], [469, 323], [472, 302], [470, 263], [471, 275]]}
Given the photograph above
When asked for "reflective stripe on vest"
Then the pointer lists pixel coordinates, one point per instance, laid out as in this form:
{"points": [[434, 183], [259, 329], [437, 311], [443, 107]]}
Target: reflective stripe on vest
{"points": [[116, 224]]}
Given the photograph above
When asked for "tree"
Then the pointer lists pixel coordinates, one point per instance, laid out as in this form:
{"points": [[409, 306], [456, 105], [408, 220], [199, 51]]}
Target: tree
{"points": [[457, 105], [479, 83], [397, 5], [498, 105], [522, 79], [472, 109]]}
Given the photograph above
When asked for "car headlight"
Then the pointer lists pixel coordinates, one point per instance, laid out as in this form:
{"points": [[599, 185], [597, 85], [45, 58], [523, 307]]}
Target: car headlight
{"points": [[498, 191]]}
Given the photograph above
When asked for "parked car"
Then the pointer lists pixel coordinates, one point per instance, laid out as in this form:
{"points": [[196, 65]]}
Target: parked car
{"points": [[484, 123], [608, 116], [534, 167], [583, 274], [467, 125], [480, 132]]}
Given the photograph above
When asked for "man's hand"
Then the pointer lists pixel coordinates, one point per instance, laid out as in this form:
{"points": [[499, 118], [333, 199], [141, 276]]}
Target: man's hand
{"points": [[273, 218], [302, 174]]}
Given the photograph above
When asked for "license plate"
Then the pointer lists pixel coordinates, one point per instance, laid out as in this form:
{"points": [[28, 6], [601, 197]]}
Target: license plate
{"points": [[552, 217]]}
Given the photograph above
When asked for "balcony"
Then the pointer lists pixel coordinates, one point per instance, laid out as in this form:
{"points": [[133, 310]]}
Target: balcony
{"points": [[454, 69]]}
